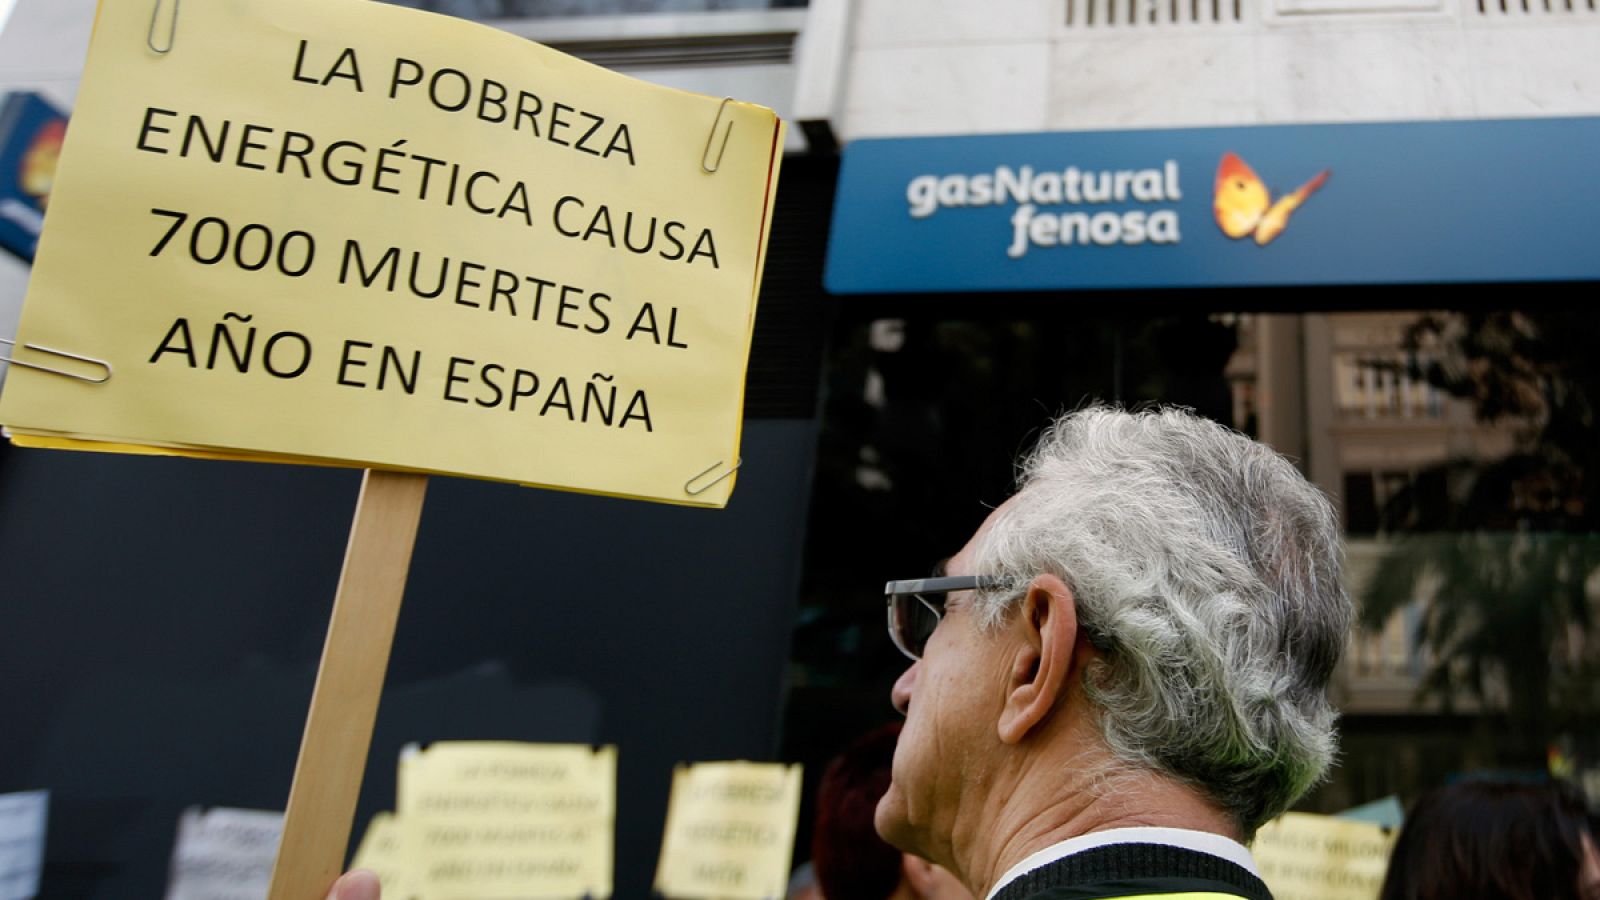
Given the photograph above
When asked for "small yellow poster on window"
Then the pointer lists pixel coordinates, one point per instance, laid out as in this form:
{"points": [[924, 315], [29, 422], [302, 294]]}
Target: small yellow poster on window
{"points": [[1310, 857], [380, 853], [490, 820], [345, 232], [730, 831]]}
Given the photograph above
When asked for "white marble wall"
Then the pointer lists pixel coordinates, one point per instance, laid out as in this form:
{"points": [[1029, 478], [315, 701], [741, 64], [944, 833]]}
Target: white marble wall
{"points": [[914, 67]]}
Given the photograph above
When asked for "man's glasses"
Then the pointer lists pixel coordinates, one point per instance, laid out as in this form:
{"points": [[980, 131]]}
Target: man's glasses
{"points": [[916, 606]]}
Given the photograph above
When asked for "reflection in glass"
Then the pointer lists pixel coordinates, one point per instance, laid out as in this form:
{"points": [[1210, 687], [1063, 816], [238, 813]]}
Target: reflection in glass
{"points": [[1460, 447], [1493, 550]]}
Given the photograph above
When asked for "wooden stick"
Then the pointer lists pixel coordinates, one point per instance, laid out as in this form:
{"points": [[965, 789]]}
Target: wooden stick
{"points": [[333, 752]]}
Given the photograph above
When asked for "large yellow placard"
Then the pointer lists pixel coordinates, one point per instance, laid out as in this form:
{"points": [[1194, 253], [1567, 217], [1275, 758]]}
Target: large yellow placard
{"points": [[344, 232]]}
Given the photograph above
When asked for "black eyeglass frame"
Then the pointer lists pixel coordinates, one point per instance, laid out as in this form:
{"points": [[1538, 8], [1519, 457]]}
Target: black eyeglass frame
{"points": [[917, 589]]}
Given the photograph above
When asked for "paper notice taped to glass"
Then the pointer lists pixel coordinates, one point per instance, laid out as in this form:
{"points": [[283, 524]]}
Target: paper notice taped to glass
{"points": [[730, 831], [380, 853], [224, 854], [23, 817], [498, 820], [1314, 857]]}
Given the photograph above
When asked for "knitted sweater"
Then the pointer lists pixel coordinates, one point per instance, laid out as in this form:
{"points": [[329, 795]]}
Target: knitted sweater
{"points": [[1133, 871]]}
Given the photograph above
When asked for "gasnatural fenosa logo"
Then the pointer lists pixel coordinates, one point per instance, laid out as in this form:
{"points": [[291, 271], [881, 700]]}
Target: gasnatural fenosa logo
{"points": [[1244, 206], [1062, 207]]}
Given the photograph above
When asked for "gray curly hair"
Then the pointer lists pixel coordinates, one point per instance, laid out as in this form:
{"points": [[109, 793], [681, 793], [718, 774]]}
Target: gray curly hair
{"points": [[1208, 569]]}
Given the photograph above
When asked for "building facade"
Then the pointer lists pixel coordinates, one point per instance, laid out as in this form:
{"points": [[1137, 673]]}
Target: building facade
{"points": [[1340, 370]]}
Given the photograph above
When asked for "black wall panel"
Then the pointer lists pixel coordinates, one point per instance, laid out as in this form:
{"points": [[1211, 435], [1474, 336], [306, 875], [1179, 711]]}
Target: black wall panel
{"points": [[161, 621]]}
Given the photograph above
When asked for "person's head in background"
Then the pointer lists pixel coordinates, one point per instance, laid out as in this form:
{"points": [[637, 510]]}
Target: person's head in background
{"points": [[1487, 840], [851, 861]]}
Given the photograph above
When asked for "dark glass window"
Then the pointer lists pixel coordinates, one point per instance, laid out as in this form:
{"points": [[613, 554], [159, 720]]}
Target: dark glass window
{"points": [[1458, 445]]}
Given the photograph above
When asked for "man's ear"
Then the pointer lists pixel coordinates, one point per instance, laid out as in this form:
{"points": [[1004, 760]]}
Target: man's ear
{"points": [[1047, 625]]}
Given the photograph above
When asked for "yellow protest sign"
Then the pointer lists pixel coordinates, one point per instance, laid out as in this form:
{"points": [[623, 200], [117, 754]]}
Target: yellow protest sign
{"points": [[381, 853], [345, 232], [1311, 857], [497, 820], [730, 831]]}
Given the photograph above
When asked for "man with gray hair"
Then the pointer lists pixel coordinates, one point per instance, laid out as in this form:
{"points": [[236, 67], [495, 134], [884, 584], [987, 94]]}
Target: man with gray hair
{"points": [[1123, 674]]}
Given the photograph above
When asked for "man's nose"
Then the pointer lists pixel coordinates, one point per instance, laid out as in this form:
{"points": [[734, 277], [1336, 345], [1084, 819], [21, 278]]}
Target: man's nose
{"points": [[900, 694]]}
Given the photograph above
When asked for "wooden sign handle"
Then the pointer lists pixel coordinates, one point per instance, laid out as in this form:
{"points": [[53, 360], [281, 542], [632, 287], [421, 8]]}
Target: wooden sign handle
{"points": [[333, 752]]}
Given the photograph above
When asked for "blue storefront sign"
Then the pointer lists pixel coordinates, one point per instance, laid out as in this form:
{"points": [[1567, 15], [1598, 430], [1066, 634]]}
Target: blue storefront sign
{"points": [[1387, 203], [31, 131]]}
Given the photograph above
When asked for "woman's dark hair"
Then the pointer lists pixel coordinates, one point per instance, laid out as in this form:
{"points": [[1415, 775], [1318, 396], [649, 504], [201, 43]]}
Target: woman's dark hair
{"points": [[1486, 840], [851, 861]]}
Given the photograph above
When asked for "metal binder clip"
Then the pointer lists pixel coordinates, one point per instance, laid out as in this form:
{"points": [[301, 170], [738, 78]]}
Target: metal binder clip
{"points": [[172, 27], [693, 491], [63, 354], [712, 136]]}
